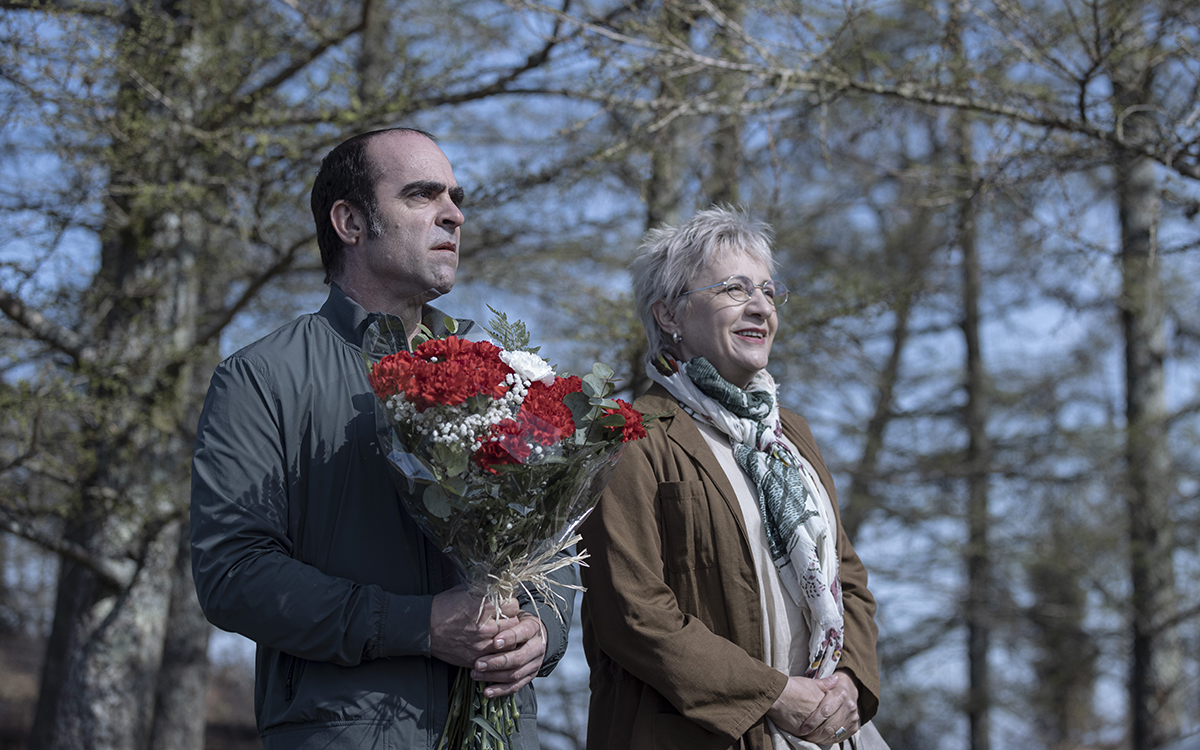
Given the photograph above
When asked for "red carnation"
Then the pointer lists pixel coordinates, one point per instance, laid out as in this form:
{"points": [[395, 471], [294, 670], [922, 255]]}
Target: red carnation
{"points": [[504, 444], [548, 418], [390, 375], [442, 371], [632, 429]]}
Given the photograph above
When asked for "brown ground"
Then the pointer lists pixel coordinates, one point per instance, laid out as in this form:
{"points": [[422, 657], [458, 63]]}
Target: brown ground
{"points": [[230, 707]]}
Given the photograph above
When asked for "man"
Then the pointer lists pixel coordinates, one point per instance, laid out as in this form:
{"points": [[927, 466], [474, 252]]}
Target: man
{"points": [[298, 538]]}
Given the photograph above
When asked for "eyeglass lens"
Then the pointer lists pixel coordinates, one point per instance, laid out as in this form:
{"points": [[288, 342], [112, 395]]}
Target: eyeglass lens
{"points": [[741, 289]]}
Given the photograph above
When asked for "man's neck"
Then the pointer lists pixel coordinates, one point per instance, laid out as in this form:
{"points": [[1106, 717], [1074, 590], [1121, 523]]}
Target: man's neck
{"points": [[371, 297]]}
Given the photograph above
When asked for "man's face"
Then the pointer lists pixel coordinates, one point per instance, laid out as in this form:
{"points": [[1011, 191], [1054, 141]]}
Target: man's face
{"points": [[416, 255]]}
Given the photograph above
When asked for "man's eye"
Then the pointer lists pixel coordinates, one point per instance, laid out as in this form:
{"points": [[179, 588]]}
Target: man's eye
{"points": [[735, 287]]}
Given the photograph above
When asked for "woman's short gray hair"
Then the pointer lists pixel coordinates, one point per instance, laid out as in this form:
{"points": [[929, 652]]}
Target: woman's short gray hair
{"points": [[670, 258]]}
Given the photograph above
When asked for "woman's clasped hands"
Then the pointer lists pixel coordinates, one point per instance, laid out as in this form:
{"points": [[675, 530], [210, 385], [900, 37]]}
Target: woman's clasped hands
{"points": [[814, 710]]}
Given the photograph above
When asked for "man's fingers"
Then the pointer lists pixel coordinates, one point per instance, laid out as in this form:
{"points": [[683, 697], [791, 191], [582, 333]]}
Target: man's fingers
{"points": [[530, 649], [510, 607], [517, 631], [499, 690], [505, 681], [488, 613], [511, 670]]}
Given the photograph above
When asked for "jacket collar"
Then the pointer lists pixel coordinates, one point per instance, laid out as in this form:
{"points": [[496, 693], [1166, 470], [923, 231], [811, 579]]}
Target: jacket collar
{"points": [[350, 321], [683, 431]]}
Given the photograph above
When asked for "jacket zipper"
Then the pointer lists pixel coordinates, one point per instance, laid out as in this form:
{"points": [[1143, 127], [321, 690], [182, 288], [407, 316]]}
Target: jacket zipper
{"points": [[287, 689]]}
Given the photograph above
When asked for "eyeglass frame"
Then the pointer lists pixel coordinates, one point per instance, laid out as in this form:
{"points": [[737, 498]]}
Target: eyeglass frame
{"points": [[777, 299]]}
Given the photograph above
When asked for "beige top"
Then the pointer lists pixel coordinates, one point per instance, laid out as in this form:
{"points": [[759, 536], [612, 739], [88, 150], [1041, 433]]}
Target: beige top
{"points": [[785, 631]]}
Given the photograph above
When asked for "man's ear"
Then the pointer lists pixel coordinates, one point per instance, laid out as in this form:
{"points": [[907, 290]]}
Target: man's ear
{"points": [[346, 222], [664, 318]]}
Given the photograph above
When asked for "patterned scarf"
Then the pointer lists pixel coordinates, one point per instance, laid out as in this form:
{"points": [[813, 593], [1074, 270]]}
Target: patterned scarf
{"points": [[802, 545]]}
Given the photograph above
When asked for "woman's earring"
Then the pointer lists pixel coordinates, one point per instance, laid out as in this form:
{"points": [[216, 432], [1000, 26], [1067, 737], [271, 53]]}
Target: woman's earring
{"points": [[676, 338]]}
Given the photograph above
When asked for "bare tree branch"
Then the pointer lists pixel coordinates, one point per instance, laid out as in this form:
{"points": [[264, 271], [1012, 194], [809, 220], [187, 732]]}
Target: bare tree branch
{"points": [[34, 445], [781, 78], [117, 574], [76, 7], [1178, 619], [280, 266], [47, 331], [301, 62]]}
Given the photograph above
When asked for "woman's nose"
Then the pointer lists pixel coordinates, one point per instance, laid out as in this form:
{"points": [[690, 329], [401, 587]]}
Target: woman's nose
{"points": [[759, 304]]}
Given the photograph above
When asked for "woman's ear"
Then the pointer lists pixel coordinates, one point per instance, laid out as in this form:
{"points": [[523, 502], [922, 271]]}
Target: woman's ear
{"points": [[345, 222], [664, 318]]}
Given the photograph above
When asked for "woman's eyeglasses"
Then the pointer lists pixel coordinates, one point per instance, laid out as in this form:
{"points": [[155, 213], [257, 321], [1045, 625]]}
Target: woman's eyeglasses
{"points": [[741, 289]]}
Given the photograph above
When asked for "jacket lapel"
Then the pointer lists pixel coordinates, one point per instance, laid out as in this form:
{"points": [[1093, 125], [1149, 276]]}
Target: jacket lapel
{"points": [[684, 433]]}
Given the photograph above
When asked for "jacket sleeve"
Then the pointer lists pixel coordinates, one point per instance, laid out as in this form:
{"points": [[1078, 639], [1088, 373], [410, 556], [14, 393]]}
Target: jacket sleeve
{"points": [[246, 577], [858, 649], [637, 620]]}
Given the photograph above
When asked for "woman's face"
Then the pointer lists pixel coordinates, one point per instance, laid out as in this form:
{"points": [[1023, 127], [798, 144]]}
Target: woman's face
{"points": [[735, 337]]}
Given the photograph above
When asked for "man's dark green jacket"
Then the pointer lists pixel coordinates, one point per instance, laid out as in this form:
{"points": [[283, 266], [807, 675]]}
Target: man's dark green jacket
{"points": [[300, 544]]}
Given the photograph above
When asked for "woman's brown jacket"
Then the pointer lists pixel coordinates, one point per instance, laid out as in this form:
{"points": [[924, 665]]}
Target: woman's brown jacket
{"points": [[672, 625]]}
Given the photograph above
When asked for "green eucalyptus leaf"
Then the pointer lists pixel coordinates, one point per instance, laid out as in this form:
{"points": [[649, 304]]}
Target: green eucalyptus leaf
{"points": [[422, 335], [602, 370], [611, 420], [594, 386], [455, 484], [436, 501], [579, 406], [604, 403], [457, 466], [454, 460]]}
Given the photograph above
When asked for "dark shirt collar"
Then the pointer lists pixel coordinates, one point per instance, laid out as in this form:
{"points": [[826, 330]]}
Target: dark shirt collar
{"points": [[350, 321]]}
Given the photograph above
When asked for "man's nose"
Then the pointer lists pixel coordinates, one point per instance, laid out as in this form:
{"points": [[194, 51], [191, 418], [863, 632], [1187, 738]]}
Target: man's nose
{"points": [[451, 215]]}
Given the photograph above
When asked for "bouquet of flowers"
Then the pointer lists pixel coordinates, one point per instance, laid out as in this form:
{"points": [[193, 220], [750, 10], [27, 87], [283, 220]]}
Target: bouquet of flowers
{"points": [[500, 460]]}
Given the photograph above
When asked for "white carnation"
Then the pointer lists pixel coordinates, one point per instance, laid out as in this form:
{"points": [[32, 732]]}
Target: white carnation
{"points": [[529, 366]]}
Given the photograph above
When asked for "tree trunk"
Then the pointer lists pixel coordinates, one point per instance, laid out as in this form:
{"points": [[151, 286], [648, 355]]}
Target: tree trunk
{"points": [[668, 163], [978, 553], [668, 146], [979, 450], [179, 702], [726, 147], [103, 657], [10, 620], [373, 60], [1066, 668], [76, 588], [664, 193], [1155, 675], [100, 682], [1155, 672]]}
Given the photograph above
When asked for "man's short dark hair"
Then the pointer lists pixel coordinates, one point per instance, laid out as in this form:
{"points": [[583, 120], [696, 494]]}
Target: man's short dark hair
{"points": [[347, 174]]}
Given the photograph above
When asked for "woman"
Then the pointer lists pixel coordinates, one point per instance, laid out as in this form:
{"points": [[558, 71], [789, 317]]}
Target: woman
{"points": [[725, 606]]}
